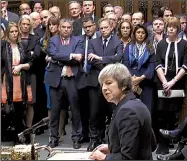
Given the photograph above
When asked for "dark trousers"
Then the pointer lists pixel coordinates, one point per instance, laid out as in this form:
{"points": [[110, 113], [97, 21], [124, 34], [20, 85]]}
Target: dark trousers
{"points": [[66, 91], [97, 114], [83, 95]]}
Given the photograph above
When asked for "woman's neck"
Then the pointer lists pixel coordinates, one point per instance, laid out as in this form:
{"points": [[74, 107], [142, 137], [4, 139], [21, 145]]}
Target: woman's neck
{"points": [[125, 39], [119, 99], [13, 43], [173, 38], [54, 34]]}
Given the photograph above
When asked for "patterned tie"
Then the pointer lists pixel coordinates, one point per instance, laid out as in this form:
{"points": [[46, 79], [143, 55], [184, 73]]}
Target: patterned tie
{"points": [[104, 46], [86, 65]]}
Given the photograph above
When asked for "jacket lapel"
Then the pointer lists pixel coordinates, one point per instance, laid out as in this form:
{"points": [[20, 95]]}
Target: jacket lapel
{"points": [[100, 45]]}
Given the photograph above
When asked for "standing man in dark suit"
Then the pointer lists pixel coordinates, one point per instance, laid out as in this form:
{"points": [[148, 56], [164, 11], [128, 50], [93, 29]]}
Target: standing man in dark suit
{"points": [[7, 15], [103, 50], [67, 50], [89, 27]]}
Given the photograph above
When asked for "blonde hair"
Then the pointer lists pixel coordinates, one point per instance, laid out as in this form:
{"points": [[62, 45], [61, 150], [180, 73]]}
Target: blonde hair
{"points": [[10, 25], [174, 22], [26, 17]]}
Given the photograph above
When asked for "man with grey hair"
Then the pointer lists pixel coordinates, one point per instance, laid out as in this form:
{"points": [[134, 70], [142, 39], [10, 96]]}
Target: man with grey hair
{"points": [[118, 10], [55, 11], [75, 10], [35, 16], [67, 51], [103, 50]]}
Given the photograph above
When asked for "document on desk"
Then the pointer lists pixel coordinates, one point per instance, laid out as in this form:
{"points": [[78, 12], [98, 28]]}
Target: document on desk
{"points": [[71, 156]]}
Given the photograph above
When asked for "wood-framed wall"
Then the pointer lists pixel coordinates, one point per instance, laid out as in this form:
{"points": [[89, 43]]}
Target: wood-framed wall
{"points": [[178, 6]]}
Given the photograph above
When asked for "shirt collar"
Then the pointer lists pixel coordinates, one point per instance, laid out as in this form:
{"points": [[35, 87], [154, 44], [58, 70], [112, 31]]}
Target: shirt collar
{"points": [[107, 38], [93, 37]]}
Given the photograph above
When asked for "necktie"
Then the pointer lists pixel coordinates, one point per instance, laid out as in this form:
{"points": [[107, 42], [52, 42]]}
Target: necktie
{"points": [[86, 65], [104, 46]]}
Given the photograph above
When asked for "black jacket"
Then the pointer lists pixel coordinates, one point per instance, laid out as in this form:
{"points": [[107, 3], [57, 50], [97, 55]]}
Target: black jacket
{"points": [[130, 132]]}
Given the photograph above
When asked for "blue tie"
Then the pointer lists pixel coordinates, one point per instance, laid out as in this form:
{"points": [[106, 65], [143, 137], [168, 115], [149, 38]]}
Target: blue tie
{"points": [[104, 46]]}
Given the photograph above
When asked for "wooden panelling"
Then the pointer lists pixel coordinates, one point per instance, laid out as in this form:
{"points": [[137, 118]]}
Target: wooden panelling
{"points": [[178, 6]]}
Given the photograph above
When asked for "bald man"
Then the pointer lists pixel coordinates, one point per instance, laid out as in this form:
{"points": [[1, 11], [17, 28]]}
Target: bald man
{"points": [[44, 16], [137, 18], [55, 11], [24, 8], [35, 16]]}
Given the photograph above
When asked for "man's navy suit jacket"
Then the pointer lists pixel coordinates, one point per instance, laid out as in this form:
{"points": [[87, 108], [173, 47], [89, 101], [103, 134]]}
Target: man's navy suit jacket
{"points": [[61, 54], [113, 54]]}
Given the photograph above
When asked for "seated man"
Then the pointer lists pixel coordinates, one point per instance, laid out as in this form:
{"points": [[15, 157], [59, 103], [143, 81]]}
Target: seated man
{"points": [[178, 133]]}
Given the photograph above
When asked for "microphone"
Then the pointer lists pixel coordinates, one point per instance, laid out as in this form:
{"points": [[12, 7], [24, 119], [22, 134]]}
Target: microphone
{"points": [[43, 122]]}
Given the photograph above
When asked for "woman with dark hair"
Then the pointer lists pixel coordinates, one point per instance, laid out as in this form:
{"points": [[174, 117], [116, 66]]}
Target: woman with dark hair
{"points": [[51, 30], [16, 95], [124, 32], [171, 66], [140, 62]]}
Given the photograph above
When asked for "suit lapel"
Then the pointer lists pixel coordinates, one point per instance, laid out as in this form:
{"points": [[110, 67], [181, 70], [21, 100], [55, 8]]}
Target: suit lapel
{"points": [[100, 45], [109, 45]]}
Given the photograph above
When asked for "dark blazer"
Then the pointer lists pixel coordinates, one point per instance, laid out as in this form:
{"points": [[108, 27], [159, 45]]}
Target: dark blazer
{"points": [[40, 31], [12, 17], [114, 52], [61, 53], [82, 77], [130, 132], [33, 50]]}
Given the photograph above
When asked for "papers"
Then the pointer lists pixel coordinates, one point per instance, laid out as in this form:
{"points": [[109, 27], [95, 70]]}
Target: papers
{"points": [[71, 156]]}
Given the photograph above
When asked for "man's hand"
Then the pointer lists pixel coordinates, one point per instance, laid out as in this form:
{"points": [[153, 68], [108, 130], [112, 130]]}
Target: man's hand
{"points": [[97, 155], [92, 56], [77, 57]]}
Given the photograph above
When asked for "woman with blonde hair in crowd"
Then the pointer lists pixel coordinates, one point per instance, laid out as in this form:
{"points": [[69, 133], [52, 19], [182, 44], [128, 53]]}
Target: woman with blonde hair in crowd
{"points": [[31, 46], [52, 30], [16, 95], [171, 66]]}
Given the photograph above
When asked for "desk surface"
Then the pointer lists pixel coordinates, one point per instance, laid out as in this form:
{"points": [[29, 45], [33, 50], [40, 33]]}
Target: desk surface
{"points": [[71, 156]]}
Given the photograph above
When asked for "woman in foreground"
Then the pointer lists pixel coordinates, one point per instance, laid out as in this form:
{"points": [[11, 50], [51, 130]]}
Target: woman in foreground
{"points": [[130, 132]]}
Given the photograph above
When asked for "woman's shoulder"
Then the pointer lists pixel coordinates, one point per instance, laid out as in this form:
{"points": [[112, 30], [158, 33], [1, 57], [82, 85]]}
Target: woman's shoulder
{"points": [[183, 42]]}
